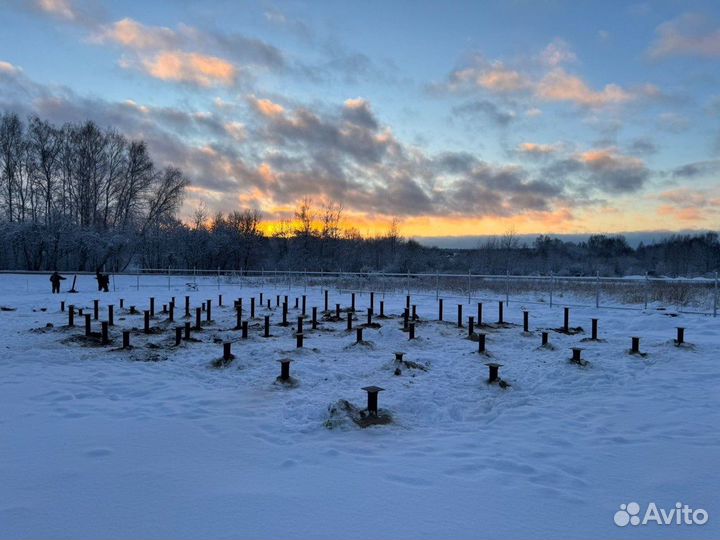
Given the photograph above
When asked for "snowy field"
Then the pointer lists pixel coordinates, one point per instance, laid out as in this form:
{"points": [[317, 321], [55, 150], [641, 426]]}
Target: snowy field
{"points": [[153, 442]]}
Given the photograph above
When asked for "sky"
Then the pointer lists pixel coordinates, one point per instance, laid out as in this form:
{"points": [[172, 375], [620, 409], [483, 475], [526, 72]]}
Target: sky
{"points": [[452, 118]]}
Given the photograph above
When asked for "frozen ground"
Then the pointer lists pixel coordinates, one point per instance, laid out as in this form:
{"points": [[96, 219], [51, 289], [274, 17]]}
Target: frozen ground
{"points": [[99, 443]]}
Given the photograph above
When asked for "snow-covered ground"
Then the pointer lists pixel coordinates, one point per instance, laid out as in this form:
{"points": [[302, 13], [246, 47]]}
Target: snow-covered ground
{"points": [[96, 442]]}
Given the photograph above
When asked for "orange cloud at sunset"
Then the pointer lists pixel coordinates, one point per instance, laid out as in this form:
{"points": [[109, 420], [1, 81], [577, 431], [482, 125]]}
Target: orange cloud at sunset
{"points": [[134, 35], [609, 158], [684, 214], [191, 68], [267, 174], [534, 148], [561, 86], [266, 107], [684, 204], [691, 197], [496, 78]]}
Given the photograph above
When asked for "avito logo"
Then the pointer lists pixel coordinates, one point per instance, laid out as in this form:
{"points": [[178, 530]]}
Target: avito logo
{"points": [[681, 514]]}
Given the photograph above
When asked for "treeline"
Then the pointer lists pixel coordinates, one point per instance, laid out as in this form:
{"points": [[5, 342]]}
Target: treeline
{"points": [[316, 240], [610, 255], [77, 196]]}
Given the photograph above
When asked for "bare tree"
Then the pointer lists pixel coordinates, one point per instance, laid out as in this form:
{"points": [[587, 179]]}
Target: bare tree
{"points": [[45, 145], [330, 221], [163, 200], [11, 149], [508, 243], [305, 219]]}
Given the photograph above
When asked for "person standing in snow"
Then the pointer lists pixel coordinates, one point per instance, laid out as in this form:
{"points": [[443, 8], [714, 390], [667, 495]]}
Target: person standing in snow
{"points": [[103, 281], [55, 280]]}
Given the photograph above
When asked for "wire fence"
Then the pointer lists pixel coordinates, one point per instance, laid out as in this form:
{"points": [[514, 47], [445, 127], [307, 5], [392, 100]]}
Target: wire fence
{"points": [[696, 295]]}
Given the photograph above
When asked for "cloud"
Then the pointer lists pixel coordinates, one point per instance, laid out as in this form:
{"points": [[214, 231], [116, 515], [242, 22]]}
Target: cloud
{"points": [[540, 77], [556, 53], [236, 130], [683, 214], [58, 8], [697, 169], [140, 38], [266, 107], [691, 198], [561, 86], [688, 204], [492, 76], [455, 162], [142, 43], [600, 171], [136, 36], [291, 24], [8, 68], [337, 63], [472, 186], [347, 155], [691, 34], [613, 172], [486, 109], [82, 13], [353, 132], [263, 153], [184, 54], [187, 54], [500, 79], [358, 111], [538, 149], [643, 146], [193, 68]]}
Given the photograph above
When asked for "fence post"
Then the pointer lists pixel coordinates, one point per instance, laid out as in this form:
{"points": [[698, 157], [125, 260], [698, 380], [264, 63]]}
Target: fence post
{"points": [[715, 301], [437, 285], [552, 287], [597, 288], [507, 287], [468, 285]]}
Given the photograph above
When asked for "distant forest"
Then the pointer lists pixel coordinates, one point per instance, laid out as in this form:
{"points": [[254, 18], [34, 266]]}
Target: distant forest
{"points": [[79, 197]]}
